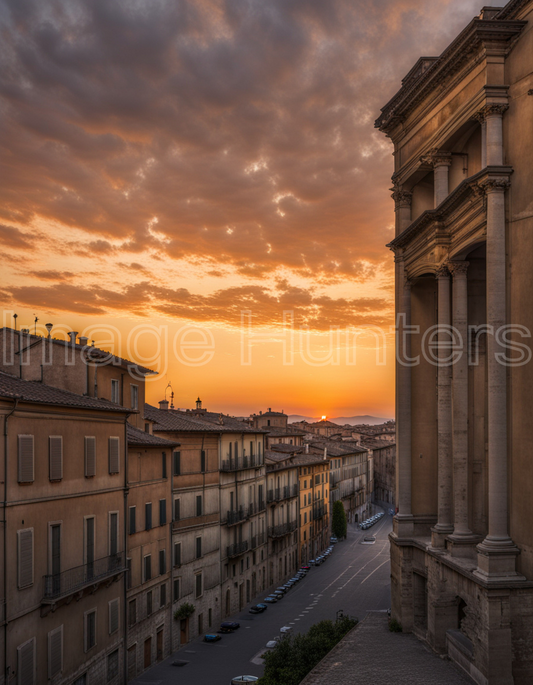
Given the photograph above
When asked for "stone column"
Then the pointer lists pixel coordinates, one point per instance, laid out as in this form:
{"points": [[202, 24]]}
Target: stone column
{"points": [[440, 161], [402, 206], [461, 530], [444, 524], [497, 553], [494, 133]]}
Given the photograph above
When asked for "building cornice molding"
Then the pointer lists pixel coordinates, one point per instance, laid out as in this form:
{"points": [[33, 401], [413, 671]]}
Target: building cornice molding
{"points": [[497, 33]]}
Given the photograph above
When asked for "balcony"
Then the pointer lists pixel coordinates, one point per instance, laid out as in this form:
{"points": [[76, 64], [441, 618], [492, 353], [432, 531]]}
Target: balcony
{"points": [[253, 462], [282, 529], [76, 579], [257, 541], [319, 512], [237, 549], [279, 494], [244, 513]]}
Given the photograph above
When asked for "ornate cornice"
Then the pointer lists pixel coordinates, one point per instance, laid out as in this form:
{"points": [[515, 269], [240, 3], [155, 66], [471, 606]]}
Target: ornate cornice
{"points": [[437, 158], [477, 35], [511, 9], [494, 184], [458, 269], [442, 271], [491, 110], [402, 198]]}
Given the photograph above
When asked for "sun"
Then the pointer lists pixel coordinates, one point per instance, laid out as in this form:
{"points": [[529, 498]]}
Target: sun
{"points": [[324, 418]]}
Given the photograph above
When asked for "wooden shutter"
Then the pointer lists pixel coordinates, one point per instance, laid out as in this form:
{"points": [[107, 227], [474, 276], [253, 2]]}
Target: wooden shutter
{"points": [[177, 554], [177, 463], [177, 510], [114, 612], [26, 663], [133, 511], [114, 455], [25, 557], [113, 533], [90, 457], [162, 512], [163, 596], [148, 515], [56, 457], [55, 652], [202, 461], [25, 465], [162, 562]]}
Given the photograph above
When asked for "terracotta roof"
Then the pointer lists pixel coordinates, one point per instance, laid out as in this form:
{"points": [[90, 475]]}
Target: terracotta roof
{"points": [[94, 354], [139, 437], [277, 430], [171, 420], [375, 444], [287, 449], [228, 422], [39, 393], [336, 448]]}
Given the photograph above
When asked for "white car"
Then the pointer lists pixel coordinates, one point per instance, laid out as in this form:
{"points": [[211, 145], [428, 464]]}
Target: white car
{"points": [[272, 643], [244, 679], [285, 630]]}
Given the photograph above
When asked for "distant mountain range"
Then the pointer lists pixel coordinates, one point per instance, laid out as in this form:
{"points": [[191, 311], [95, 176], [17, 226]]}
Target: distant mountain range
{"points": [[342, 420]]}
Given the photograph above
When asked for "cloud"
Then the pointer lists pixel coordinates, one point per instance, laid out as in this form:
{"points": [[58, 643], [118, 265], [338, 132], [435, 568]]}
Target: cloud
{"points": [[14, 238]]}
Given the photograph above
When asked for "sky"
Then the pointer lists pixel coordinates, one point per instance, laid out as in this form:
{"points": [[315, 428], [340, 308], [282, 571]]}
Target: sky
{"points": [[198, 185]]}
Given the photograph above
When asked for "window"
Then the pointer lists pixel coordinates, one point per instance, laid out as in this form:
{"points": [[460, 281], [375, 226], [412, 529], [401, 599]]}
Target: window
{"points": [[55, 453], [162, 562], [148, 516], [114, 392], [236, 450], [198, 548], [177, 463], [90, 629], [198, 585], [26, 663], [25, 459], [114, 455], [129, 579], [112, 665], [146, 427], [133, 511], [198, 505], [25, 557], [177, 554], [176, 510], [251, 454], [134, 396], [259, 449], [55, 652], [176, 589], [132, 612], [305, 517], [114, 615], [149, 606], [210, 617], [113, 533], [164, 465], [202, 461], [162, 512], [305, 485], [147, 567], [163, 595], [90, 456]]}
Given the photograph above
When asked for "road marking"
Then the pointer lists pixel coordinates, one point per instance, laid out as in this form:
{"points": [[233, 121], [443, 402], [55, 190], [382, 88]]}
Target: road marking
{"points": [[368, 576], [357, 572]]}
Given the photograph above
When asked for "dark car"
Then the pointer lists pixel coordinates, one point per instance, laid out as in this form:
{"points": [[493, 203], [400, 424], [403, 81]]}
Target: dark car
{"points": [[231, 625], [270, 599], [258, 609], [212, 638], [305, 568]]}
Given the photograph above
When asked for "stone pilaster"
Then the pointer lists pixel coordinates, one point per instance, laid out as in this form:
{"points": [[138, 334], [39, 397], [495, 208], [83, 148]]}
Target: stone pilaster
{"points": [[440, 160], [402, 205]]}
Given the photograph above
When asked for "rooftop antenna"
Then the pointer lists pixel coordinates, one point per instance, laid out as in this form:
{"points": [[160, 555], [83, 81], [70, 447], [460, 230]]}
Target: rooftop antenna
{"points": [[35, 322], [172, 400], [169, 386], [49, 327], [15, 316]]}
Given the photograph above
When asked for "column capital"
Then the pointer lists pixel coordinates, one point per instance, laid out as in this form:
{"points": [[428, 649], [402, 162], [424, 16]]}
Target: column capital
{"points": [[442, 271], [436, 158], [402, 198], [490, 110], [494, 185], [458, 269], [407, 283]]}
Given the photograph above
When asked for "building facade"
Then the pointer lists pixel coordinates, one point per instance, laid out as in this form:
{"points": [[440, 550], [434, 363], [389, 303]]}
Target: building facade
{"points": [[462, 546], [314, 516]]}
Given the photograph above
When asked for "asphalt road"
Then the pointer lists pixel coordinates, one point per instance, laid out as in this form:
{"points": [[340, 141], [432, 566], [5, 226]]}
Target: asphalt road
{"points": [[355, 579]]}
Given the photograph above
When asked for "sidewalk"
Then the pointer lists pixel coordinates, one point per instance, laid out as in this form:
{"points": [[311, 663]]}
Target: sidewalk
{"points": [[372, 654]]}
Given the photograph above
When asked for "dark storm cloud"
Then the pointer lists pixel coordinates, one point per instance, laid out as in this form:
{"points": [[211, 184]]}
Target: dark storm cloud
{"points": [[239, 132]]}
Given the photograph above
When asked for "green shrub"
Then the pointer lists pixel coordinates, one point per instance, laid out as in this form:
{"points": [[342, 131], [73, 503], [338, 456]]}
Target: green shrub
{"points": [[395, 626], [339, 525], [184, 611]]}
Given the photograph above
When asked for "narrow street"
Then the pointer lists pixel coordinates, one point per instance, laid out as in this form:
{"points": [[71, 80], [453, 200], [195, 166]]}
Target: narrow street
{"points": [[355, 579]]}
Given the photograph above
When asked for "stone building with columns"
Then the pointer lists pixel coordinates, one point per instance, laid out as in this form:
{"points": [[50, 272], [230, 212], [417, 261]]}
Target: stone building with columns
{"points": [[462, 543]]}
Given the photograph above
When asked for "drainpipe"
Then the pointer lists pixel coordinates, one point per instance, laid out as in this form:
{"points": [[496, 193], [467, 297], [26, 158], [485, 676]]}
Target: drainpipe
{"points": [[15, 403]]}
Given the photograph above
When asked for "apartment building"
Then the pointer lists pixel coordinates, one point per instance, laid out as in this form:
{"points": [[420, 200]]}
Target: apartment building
{"points": [[284, 436], [313, 476], [149, 550], [384, 462], [269, 419], [64, 544], [282, 516]]}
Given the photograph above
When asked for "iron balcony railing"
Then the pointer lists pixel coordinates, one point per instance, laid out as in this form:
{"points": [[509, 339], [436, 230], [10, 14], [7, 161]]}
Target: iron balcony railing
{"points": [[243, 513], [75, 579], [286, 492], [282, 529], [319, 512], [257, 540], [237, 549], [240, 463]]}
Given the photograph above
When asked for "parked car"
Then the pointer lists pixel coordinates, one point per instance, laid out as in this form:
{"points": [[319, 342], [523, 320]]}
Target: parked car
{"points": [[305, 569], [231, 625], [272, 643], [281, 588], [278, 595], [285, 630], [258, 609], [270, 599], [333, 539], [212, 638], [244, 679]]}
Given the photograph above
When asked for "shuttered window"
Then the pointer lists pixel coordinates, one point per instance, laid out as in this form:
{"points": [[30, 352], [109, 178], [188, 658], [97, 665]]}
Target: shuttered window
{"points": [[149, 606], [177, 554], [112, 666], [133, 511], [56, 457], [202, 461], [163, 596], [114, 609], [113, 533], [198, 548], [147, 567], [198, 585], [25, 459], [55, 652], [162, 562], [26, 663], [176, 589], [90, 456], [198, 505], [148, 516], [162, 512], [164, 464], [25, 557], [177, 513], [132, 612], [177, 463], [90, 630], [114, 455]]}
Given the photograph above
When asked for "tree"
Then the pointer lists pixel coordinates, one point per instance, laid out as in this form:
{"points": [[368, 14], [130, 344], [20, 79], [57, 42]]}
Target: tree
{"points": [[339, 525]]}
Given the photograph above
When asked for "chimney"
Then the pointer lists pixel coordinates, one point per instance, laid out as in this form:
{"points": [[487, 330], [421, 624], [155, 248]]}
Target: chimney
{"points": [[260, 412], [25, 331], [270, 409], [83, 340], [72, 335], [163, 404]]}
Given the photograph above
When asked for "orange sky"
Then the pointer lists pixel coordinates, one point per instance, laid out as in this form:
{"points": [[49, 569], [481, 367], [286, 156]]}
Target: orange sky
{"points": [[172, 164]]}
